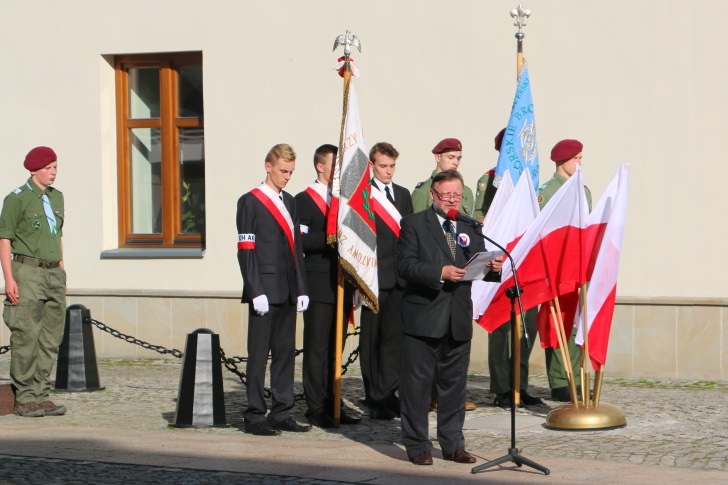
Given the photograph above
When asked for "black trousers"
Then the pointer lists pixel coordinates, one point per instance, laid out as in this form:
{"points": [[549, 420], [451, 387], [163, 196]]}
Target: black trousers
{"points": [[424, 359], [319, 339], [274, 332], [380, 342]]}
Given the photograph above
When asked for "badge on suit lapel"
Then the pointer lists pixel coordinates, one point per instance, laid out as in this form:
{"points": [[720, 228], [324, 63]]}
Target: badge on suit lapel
{"points": [[463, 240]]}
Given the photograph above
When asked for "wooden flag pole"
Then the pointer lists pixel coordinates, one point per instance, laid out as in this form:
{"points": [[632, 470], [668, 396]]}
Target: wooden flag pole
{"points": [[347, 40], [585, 361], [516, 357], [339, 332]]}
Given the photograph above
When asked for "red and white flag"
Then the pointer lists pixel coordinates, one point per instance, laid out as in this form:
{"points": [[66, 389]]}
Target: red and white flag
{"points": [[603, 245], [512, 211], [498, 205], [351, 220], [547, 256]]}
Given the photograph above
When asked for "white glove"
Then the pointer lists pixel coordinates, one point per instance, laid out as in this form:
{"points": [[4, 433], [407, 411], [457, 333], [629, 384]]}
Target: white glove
{"points": [[260, 305], [302, 303]]}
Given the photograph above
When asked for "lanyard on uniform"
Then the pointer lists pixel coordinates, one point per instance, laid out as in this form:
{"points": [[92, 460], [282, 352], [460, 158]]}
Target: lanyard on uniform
{"points": [[48, 212]]}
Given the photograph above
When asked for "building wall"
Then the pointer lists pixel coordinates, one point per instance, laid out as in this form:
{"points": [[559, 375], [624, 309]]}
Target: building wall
{"points": [[685, 341], [637, 82]]}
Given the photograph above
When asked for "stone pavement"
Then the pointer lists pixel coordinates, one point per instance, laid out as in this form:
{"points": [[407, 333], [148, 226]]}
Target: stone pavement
{"points": [[675, 433]]}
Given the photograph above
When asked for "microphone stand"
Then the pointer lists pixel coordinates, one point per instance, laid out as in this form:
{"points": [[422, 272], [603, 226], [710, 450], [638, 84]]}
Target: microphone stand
{"points": [[514, 294]]}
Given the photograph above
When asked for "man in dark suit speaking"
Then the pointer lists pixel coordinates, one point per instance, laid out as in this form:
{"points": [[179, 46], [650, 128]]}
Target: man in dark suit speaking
{"points": [[437, 320]]}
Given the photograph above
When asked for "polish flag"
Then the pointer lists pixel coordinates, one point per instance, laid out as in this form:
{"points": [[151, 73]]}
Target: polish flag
{"points": [[497, 206], [603, 245], [512, 211], [547, 256]]}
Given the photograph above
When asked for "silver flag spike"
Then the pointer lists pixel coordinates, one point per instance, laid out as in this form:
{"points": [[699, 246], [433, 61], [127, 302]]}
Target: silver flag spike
{"points": [[347, 40]]}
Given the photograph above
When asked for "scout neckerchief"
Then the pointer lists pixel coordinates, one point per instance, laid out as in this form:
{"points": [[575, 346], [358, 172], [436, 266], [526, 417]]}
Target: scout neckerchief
{"points": [[271, 200], [48, 211], [320, 195], [386, 210]]}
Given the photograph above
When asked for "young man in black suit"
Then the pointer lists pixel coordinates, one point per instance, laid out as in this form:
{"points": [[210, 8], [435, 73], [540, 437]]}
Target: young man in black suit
{"points": [[437, 320], [319, 320], [271, 263], [381, 333]]}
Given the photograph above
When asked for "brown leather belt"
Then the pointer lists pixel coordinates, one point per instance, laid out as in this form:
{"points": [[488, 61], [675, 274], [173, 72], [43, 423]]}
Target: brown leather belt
{"points": [[35, 262]]}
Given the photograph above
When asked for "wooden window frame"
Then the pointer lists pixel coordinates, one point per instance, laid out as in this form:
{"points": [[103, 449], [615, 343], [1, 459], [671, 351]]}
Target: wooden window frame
{"points": [[169, 122]]}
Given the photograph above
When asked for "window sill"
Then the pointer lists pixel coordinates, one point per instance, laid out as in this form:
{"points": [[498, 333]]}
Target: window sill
{"points": [[153, 253]]}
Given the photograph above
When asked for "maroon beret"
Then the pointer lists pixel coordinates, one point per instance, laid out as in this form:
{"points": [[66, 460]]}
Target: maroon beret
{"points": [[39, 157], [448, 145], [499, 139], [566, 150]]}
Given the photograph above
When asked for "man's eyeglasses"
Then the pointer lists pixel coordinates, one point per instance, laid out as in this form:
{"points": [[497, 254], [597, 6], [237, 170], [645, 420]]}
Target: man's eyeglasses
{"points": [[448, 196]]}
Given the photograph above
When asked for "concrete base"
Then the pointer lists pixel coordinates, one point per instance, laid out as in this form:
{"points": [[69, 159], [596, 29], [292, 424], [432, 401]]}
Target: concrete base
{"points": [[7, 400]]}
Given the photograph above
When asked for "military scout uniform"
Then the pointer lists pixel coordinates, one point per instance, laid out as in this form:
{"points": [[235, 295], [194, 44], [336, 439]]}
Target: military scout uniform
{"points": [[33, 222]]}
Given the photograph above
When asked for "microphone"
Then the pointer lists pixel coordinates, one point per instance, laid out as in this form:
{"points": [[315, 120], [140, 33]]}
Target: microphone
{"points": [[455, 215]]}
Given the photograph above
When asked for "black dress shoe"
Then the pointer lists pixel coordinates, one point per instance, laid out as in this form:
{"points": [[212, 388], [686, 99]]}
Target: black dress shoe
{"points": [[290, 424], [381, 412], [424, 458], [459, 456], [349, 419], [261, 428], [530, 400], [504, 400], [561, 394]]}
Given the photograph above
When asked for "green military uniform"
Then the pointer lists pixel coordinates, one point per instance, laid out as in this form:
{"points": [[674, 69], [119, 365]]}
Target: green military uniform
{"points": [[554, 361], [500, 365], [421, 196], [484, 193], [36, 323]]}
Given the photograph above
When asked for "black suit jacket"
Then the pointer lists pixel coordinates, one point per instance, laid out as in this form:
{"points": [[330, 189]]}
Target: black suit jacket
{"points": [[431, 308], [320, 258], [271, 268], [387, 241]]}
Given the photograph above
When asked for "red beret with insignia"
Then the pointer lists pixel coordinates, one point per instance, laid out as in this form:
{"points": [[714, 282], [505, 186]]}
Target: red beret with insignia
{"points": [[499, 139], [566, 150], [39, 157], [448, 145]]}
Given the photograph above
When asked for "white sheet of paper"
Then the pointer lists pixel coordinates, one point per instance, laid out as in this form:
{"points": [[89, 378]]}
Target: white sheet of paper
{"points": [[475, 268]]}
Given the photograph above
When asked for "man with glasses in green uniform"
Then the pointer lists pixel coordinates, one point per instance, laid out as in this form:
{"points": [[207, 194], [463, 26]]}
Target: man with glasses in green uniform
{"points": [[31, 255]]}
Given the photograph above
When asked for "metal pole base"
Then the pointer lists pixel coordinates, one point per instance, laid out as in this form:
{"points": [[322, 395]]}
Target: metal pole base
{"points": [[512, 457], [583, 418]]}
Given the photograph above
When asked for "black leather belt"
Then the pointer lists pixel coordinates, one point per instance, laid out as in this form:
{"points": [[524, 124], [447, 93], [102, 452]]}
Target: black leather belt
{"points": [[35, 262]]}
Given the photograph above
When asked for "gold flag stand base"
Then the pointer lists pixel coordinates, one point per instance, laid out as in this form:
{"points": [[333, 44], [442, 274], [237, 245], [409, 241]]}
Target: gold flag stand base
{"points": [[579, 417]]}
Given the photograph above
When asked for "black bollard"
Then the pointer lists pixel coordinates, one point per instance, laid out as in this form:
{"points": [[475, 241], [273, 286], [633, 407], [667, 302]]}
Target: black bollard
{"points": [[200, 401], [76, 369]]}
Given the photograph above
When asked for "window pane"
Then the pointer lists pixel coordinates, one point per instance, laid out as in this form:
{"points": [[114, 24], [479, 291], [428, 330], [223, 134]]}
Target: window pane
{"points": [[190, 91], [192, 180], [144, 92], [146, 180]]}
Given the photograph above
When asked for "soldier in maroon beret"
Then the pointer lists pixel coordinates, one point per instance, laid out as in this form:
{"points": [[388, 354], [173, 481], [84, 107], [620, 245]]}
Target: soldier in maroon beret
{"points": [[31, 254], [448, 153]]}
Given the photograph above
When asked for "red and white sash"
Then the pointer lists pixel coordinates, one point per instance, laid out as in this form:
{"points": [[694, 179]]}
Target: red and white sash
{"points": [[320, 195], [386, 210], [269, 198]]}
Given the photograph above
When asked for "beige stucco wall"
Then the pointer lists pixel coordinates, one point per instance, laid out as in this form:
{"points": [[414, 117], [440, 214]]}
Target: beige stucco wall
{"points": [[638, 82]]}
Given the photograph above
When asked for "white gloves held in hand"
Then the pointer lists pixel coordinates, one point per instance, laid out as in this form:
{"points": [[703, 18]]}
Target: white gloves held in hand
{"points": [[302, 303], [260, 305]]}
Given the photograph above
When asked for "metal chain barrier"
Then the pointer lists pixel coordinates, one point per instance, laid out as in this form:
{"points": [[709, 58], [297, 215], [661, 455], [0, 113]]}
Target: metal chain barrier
{"points": [[230, 363], [4, 349]]}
